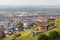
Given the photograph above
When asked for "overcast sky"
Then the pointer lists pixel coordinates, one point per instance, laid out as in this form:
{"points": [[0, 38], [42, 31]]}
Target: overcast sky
{"points": [[29, 2]]}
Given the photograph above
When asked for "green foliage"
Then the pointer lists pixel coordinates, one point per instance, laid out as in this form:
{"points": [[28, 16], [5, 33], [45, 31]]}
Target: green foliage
{"points": [[54, 35], [57, 22], [17, 35], [28, 37], [2, 35], [21, 25], [43, 37], [14, 36]]}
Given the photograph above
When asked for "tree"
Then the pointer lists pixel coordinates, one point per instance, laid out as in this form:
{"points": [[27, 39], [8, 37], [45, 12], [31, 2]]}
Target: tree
{"points": [[54, 35], [21, 25], [43, 37], [2, 35]]}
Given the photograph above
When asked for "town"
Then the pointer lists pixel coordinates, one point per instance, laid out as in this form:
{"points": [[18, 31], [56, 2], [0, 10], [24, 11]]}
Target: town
{"points": [[16, 23], [29, 19], [15, 20]]}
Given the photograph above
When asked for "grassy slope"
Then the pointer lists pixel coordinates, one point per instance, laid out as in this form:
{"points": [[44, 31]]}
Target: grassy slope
{"points": [[30, 37]]}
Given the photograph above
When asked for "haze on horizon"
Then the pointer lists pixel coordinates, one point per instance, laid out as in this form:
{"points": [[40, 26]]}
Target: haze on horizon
{"points": [[29, 2]]}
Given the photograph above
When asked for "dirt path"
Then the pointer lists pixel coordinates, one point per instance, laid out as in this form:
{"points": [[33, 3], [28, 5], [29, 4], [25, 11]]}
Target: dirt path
{"points": [[27, 33]]}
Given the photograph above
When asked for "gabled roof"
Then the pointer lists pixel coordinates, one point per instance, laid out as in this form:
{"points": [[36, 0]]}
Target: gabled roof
{"points": [[43, 24]]}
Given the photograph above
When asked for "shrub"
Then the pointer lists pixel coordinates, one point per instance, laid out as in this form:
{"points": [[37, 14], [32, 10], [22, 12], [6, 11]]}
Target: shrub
{"points": [[0, 38], [54, 35], [15, 36], [2, 35], [43, 37]]}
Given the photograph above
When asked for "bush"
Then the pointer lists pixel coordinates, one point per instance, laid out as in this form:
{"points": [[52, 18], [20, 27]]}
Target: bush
{"points": [[15, 36], [54, 35], [0, 38], [43, 37], [2, 35]]}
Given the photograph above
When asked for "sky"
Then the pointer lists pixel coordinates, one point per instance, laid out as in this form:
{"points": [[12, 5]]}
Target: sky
{"points": [[29, 2]]}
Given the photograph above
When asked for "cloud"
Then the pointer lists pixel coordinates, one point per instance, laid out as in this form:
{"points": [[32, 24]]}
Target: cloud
{"points": [[29, 2]]}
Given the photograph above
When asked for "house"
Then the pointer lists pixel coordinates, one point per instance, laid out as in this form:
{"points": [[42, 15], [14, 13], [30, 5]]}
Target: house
{"points": [[44, 26], [41, 26], [50, 23]]}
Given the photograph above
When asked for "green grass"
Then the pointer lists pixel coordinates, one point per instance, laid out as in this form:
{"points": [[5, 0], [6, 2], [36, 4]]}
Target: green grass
{"points": [[21, 32], [30, 37]]}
